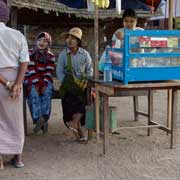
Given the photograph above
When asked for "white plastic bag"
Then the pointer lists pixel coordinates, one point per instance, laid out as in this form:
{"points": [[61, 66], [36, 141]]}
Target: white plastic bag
{"points": [[101, 62]]}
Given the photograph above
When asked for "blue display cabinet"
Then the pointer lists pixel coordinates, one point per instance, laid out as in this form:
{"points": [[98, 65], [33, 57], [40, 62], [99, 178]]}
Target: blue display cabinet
{"points": [[148, 55]]}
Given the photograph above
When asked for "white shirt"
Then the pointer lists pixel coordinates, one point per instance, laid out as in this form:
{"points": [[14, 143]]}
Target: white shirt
{"points": [[132, 40], [13, 47]]}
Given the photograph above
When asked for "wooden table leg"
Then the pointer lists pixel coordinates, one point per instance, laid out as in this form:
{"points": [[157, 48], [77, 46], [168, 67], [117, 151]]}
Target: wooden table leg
{"points": [[150, 110], [105, 123], [136, 107], [97, 117], [90, 134], [174, 118], [169, 108]]}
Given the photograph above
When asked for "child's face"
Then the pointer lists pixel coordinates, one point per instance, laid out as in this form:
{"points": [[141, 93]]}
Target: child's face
{"points": [[129, 22], [71, 41], [42, 43]]}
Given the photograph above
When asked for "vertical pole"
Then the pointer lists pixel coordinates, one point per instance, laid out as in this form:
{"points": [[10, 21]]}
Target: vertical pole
{"points": [[126, 59], [96, 74], [170, 20], [105, 123], [174, 118], [170, 27], [13, 20], [150, 110], [136, 107]]}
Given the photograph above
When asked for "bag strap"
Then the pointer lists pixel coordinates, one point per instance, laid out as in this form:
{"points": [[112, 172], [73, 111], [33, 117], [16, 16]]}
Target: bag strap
{"points": [[69, 63]]}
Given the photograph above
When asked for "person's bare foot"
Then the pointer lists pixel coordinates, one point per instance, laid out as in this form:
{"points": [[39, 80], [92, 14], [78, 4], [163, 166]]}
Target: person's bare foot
{"points": [[1, 163]]}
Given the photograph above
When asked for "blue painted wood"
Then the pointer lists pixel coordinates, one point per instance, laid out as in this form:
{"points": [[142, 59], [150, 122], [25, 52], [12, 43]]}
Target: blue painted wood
{"points": [[138, 74]]}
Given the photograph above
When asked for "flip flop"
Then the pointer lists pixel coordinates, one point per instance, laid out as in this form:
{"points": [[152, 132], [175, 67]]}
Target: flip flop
{"points": [[39, 125], [83, 140], [15, 164], [75, 131], [45, 128]]}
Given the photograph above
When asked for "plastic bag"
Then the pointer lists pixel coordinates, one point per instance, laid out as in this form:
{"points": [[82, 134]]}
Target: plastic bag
{"points": [[101, 62], [116, 58]]}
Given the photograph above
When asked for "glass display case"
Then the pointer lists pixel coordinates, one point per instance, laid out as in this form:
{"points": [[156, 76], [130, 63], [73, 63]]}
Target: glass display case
{"points": [[149, 55]]}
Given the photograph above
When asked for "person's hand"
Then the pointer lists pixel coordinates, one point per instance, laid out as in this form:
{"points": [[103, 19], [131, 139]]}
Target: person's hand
{"points": [[120, 35], [10, 86], [43, 89], [15, 91], [93, 93], [37, 89]]}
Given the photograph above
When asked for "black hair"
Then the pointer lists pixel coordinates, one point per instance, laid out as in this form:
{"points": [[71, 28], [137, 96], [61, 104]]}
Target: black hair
{"points": [[79, 43], [41, 35], [129, 13]]}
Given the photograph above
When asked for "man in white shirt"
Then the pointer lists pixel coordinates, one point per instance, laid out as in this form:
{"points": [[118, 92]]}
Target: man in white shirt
{"points": [[13, 63]]}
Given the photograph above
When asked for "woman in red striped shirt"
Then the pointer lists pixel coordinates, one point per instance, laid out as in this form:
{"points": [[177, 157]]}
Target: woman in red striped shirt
{"points": [[39, 83]]}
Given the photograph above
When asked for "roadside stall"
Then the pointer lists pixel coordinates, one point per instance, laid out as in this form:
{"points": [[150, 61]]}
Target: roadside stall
{"points": [[146, 71], [116, 88], [155, 68]]}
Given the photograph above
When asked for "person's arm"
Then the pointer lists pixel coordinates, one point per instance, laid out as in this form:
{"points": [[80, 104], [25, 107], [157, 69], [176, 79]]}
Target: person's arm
{"points": [[23, 63], [89, 68], [60, 67], [3, 80], [8, 84], [119, 35], [16, 89]]}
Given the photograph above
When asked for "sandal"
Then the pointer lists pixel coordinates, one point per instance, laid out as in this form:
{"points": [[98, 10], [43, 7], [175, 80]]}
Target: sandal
{"points": [[1, 163], [15, 164], [75, 131], [45, 128], [83, 140], [39, 125]]}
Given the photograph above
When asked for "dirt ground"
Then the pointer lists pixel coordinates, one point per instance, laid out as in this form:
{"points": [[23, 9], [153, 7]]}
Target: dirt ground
{"points": [[132, 154]]}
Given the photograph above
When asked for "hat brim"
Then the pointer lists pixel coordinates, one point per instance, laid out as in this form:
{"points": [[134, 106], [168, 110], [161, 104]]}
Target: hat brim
{"points": [[67, 34]]}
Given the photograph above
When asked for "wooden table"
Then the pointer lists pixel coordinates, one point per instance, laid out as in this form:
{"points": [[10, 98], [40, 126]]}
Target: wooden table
{"points": [[116, 89]]}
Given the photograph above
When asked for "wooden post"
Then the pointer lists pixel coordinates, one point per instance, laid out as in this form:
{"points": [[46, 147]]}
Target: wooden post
{"points": [[105, 123], [96, 74], [150, 110], [174, 118], [170, 20], [14, 24], [170, 27], [136, 107], [13, 18]]}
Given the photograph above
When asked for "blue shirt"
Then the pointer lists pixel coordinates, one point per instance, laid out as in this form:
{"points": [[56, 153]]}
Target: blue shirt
{"points": [[81, 63]]}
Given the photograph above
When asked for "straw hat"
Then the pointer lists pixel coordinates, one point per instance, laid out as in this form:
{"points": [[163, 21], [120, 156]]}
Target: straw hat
{"points": [[76, 32]]}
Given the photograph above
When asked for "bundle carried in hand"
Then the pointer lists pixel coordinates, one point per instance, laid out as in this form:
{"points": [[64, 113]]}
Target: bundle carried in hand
{"points": [[101, 3], [72, 84]]}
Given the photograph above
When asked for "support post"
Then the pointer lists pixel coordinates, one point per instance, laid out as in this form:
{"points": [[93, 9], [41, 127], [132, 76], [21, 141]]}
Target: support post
{"points": [[96, 74], [105, 123]]}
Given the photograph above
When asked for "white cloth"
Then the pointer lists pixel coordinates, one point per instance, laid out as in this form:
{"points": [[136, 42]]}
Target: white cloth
{"points": [[11, 118], [13, 47], [133, 40]]}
